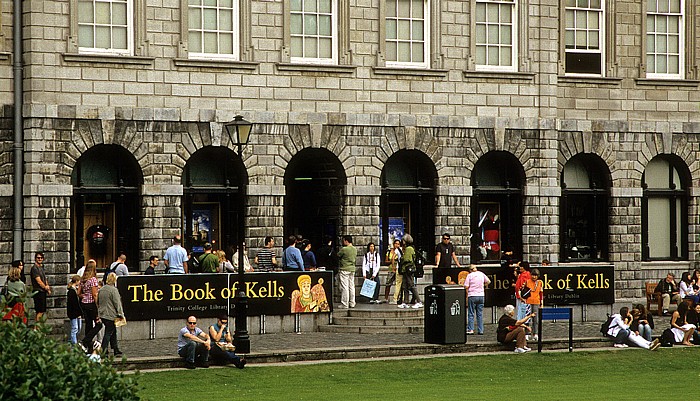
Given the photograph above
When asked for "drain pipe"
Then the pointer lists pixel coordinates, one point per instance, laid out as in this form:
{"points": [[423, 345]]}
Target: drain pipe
{"points": [[18, 146]]}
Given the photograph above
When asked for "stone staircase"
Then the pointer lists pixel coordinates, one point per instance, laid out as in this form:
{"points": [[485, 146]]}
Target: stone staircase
{"points": [[376, 319]]}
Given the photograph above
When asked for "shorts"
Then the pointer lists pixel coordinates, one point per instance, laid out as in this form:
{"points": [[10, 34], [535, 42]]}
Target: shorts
{"points": [[40, 302]]}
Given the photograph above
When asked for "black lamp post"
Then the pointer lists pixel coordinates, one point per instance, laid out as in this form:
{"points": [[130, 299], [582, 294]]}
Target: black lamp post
{"points": [[239, 131]]}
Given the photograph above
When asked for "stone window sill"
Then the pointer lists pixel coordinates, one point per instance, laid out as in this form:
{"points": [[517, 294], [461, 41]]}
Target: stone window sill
{"points": [[573, 79], [5, 56], [339, 69], [690, 83], [417, 72], [107, 59], [503, 75], [223, 64]]}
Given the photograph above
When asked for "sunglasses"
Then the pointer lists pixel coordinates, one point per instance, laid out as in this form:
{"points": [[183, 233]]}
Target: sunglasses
{"points": [[224, 322], [191, 322]]}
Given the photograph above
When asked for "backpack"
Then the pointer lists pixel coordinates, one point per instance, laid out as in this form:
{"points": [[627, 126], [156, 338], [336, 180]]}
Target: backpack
{"points": [[420, 264], [606, 326], [667, 338], [111, 269]]}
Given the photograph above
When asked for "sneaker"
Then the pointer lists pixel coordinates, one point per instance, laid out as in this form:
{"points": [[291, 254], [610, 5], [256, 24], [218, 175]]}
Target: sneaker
{"points": [[417, 305], [378, 301], [520, 350], [403, 306], [117, 354], [189, 365], [620, 345], [97, 345], [526, 348], [372, 301], [535, 337], [655, 345], [470, 332], [82, 347], [528, 337], [392, 302]]}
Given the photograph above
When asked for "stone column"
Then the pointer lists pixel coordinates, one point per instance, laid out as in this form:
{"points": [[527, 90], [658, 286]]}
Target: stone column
{"points": [[625, 241], [161, 219]]}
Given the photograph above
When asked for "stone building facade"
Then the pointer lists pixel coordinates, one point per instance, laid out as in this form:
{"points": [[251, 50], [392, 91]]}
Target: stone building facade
{"points": [[473, 126]]}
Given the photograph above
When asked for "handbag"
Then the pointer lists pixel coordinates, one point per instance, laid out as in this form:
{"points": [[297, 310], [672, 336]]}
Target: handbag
{"points": [[525, 292], [368, 288], [226, 346], [120, 321]]}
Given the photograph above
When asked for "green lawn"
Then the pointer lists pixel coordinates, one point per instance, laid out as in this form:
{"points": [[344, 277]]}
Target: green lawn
{"points": [[631, 374]]}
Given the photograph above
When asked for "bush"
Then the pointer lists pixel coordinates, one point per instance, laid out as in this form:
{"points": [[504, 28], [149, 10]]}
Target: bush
{"points": [[36, 367]]}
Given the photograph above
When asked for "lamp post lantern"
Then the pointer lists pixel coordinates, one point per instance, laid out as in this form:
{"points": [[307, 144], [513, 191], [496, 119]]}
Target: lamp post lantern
{"points": [[238, 131]]}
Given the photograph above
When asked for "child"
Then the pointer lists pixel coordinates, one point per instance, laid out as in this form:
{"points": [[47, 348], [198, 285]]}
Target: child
{"points": [[73, 309]]}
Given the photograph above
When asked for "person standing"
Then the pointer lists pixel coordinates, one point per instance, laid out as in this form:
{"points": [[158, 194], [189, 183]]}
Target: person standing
{"points": [[152, 265], [40, 285], [327, 257], [19, 264], [407, 268], [445, 253], [347, 257], [73, 308], [521, 307], [265, 259], [247, 267], [109, 309], [308, 255], [474, 284], [535, 299], [119, 267], [292, 259], [175, 258], [87, 291], [393, 256], [208, 262], [193, 345], [370, 270]]}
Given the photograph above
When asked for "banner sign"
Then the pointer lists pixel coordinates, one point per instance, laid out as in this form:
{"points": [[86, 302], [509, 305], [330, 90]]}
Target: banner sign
{"points": [[177, 296], [563, 284]]}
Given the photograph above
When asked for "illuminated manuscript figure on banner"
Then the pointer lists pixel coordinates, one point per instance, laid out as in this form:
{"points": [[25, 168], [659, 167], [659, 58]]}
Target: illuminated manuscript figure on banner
{"points": [[307, 299]]}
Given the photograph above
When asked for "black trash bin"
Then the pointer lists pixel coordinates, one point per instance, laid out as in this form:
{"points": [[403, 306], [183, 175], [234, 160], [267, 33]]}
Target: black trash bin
{"points": [[445, 314]]}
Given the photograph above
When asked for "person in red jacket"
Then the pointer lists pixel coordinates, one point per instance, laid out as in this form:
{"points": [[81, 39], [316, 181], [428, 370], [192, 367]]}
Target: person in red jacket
{"points": [[520, 305]]}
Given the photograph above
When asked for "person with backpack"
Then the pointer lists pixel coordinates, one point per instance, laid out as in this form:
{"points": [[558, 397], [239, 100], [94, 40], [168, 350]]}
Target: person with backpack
{"points": [[208, 262], [117, 267], [618, 328], [407, 268]]}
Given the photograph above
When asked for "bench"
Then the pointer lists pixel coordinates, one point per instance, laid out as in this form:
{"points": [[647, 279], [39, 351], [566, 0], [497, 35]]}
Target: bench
{"points": [[655, 298]]}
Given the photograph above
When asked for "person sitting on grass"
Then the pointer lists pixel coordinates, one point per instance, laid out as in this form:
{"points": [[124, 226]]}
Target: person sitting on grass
{"points": [[221, 343], [193, 345], [682, 330], [510, 330]]}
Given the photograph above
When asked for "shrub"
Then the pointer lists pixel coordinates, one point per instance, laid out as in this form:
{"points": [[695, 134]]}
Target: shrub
{"points": [[35, 367]]}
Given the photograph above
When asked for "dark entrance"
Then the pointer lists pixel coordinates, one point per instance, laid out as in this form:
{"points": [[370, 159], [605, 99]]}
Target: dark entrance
{"points": [[496, 211], [315, 185], [106, 206], [214, 188], [408, 200]]}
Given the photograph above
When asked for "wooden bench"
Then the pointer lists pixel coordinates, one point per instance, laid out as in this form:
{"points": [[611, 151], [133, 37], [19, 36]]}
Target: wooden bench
{"points": [[655, 298]]}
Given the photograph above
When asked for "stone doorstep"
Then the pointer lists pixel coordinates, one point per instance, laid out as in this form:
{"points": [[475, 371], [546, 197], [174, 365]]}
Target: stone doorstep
{"points": [[371, 329], [378, 321], [317, 354]]}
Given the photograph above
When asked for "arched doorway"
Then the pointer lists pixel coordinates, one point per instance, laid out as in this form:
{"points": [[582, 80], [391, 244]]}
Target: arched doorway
{"points": [[214, 181], [583, 218], [408, 199], [496, 210], [106, 206], [315, 185]]}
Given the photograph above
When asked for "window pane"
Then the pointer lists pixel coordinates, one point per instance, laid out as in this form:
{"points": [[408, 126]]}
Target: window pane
{"points": [[297, 47], [102, 13], [481, 33], [391, 8], [102, 37], [404, 8], [569, 18], [660, 44], [210, 18], [404, 30], [325, 48], [226, 43], [296, 5], [673, 65], [492, 13], [310, 25], [481, 55], [417, 55], [226, 3], [661, 24], [569, 39], [417, 33], [119, 38], [417, 9], [391, 51], [580, 20], [210, 42], [580, 39], [295, 26], [506, 35], [481, 12], [309, 6], [505, 14], [651, 6], [226, 20], [324, 6], [119, 13], [404, 52], [593, 40], [86, 11], [506, 56], [659, 232], [195, 19], [324, 25], [592, 20], [663, 6], [675, 6], [86, 36], [672, 23], [651, 40], [492, 34], [493, 55], [651, 64], [310, 47], [210, 3], [661, 65], [673, 44]]}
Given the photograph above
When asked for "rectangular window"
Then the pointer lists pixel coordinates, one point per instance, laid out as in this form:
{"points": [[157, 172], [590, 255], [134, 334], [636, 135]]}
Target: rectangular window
{"points": [[313, 31], [496, 31], [584, 36], [105, 26], [665, 39], [407, 24], [213, 29]]}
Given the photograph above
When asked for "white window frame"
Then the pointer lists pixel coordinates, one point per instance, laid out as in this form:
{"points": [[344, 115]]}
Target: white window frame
{"points": [[426, 39], [514, 38], [601, 37], [681, 42], [334, 38], [129, 51], [235, 55]]}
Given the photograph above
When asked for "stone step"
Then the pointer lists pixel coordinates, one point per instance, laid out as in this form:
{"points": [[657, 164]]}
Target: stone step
{"points": [[371, 329], [387, 312], [377, 321]]}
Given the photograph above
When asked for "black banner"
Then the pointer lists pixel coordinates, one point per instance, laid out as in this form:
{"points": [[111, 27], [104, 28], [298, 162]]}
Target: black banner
{"points": [[563, 284], [176, 296]]}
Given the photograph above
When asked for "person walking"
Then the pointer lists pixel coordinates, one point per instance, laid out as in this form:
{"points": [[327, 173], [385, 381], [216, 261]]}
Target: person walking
{"points": [[347, 257], [110, 309], [87, 291], [407, 268], [474, 284]]}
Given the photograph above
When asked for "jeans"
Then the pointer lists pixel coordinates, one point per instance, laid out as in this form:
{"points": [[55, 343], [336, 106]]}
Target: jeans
{"points": [[194, 351], [521, 309], [476, 304], [347, 288], [217, 354], [409, 288], [621, 336], [534, 321], [645, 331], [375, 296], [75, 326], [110, 335]]}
